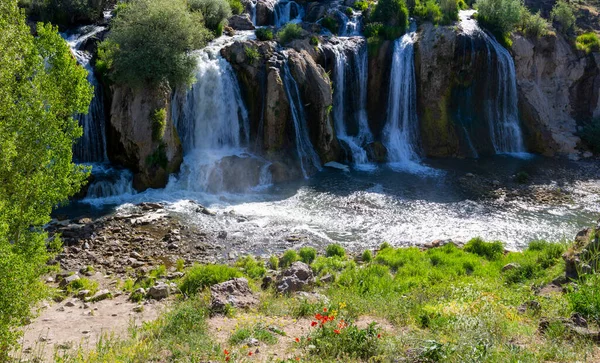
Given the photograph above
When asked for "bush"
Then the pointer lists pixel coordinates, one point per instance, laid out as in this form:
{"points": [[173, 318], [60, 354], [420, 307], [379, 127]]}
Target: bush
{"points": [[562, 13], [585, 299], [591, 135], [335, 250], [65, 12], [499, 16], [307, 254], [159, 122], [264, 34], [289, 32], [391, 13], [236, 6], [314, 40], [199, 277], [372, 30], [361, 5], [251, 267], [526, 271], [430, 10], [489, 250], [158, 158], [588, 42], [289, 257], [331, 24], [533, 25], [367, 256], [150, 42], [252, 54], [274, 262], [215, 12], [449, 9]]}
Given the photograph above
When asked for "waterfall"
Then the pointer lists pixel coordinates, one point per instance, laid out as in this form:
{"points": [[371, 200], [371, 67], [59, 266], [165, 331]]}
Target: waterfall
{"points": [[91, 147], [401, 131], [349, 26], [287, 11], [500, 98], [214, 128], [253, 11], [304, 148], [350, 98], [110, 183]]}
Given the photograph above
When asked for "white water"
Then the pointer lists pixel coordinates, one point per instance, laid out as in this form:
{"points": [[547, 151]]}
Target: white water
{"points": [[501, 102], [356, 67], [401, 131], [213, 124], [284, 12], [109, 184], [349, 26], [304, 149], [92, 145]]}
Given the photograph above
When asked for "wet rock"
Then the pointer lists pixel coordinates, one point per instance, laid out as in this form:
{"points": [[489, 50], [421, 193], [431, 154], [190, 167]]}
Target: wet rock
{"points": [[159, 291], [297, 277], [235, 293], [241, 22], [376, 152]]}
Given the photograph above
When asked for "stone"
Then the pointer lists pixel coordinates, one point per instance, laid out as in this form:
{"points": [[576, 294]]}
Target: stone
{"points": [[241, 22], [510, 266], [99, 296], [83, 293], [588, 154], [297, 277], [235, 293], [67, 280], [336, 165], [470, 175], [159, 291], [69, 304], [138, 309], [267, 281], [579, 320], [252, 342], [327, 278], [174, 275]]}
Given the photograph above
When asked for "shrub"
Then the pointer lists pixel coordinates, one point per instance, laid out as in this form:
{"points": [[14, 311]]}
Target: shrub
{"points": [[533, 25], [65, 12], [215, 12], [591, 135], [361, 5], [289, 257], [159, 122], [236, 6], [199, 277], [384, 245], [367, 256], [158, 158], [489, 250], [525, 271], [307, 254], [585, 299], [391, 13], [372, 30], [83, 284], [562, 13], [251, 267], [335, 250], [449, 9], [314, 40], [150, 42], [274, 262], [289, 32], [252, 54], [499, 16], [522, 177], [264, 34], [588, 42], [324, 265], [331, 24], [429, 10], [349, 12]]}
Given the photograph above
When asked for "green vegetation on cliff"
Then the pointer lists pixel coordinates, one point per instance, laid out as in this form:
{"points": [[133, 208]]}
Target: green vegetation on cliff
{"points": [[41, 87], [65, 12]]}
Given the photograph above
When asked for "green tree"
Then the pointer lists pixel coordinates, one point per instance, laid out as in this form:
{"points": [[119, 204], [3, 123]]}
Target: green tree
{"points": [[214, 11], [499, 16], [391, 13], [41, 87], [562, 13], [150, 42]]}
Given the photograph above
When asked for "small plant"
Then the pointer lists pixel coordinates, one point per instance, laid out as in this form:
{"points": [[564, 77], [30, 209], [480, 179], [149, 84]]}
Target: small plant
{"points": [[428, 10], [159, 271], [533, 25], [83, 284], [588, 42], [252, 54], [307, 254], [367, 256], [525, 271], [274, 262], [361, 5], [136, 296], [562, 13], [158, 158], [335, 250], [251, 267], [522, 177], [236, 6], [331, 24], [289, 257], [384, 245], [159, 122], [289, 32], [490, 250], [349, 12], [258, 332], [314, 40], [585, 299], [372, 30], [199, 277], [129, 285], [180, 264], [264, 34]]}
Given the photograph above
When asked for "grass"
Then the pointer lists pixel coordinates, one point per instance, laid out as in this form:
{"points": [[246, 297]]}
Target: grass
{"points": [[289, 32], [446, 304]]}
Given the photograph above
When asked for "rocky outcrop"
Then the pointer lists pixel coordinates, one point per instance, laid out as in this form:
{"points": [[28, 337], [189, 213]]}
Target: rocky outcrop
{"points": [[297, 277], [240, 22], [130, 136], [380, 62], [558, 89], [234, 293]]}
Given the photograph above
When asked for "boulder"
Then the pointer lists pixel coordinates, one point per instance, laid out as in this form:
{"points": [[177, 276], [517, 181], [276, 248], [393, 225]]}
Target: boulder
{"points": [[581, 258], [67, 280], [235, 293], [297, 277], [159, 291], [241, 22], [510, 266], [99, 296]]}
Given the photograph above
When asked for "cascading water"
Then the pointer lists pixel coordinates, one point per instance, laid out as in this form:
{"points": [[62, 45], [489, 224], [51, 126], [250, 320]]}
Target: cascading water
{"points": [[304, 148], [253, 11], [213, 123], [287, 11], [401, 131], [500, 103], [92, 145], [351, 70], [349, 26]]}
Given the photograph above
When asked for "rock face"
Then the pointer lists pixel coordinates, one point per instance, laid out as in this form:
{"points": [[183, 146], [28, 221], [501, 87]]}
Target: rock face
{"points": [[130, 139], [582, 258], [380, 64], [558, 88], [297, 277], [241, 22], [235, 293]]}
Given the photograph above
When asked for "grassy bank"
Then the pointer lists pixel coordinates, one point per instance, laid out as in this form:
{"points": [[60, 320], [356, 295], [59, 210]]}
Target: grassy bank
{"points": [[471, 304]]}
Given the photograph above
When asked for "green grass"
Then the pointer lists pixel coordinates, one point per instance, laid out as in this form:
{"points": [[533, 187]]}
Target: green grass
{"points": [[289, 257], [200, 277]]}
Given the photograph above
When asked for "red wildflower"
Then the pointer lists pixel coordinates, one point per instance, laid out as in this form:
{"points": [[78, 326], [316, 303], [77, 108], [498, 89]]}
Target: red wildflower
{"points": [[297, 340], [226, 352], [336, 331], [314, 323], [298, 358], [319, 316], [308, 339], [250, 353], [227, 359], [324, 310], [378, 336], [331, 318]]}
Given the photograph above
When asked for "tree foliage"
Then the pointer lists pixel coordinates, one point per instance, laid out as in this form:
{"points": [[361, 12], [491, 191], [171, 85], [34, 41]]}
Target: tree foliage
{"points": [[41, 87], [499, 16], [65, 12], [150, 42], [391, 13], [562, 14], [215, 12]]}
